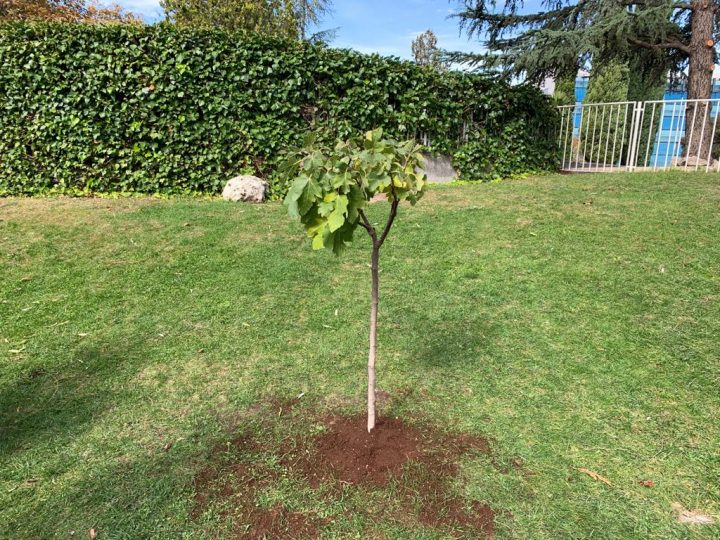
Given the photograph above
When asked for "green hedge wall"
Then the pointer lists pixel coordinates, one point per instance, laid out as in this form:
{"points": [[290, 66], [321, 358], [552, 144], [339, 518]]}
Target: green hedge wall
{"points": [[160, 110]]}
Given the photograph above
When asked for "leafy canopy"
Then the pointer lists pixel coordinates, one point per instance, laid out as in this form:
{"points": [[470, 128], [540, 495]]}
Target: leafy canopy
{"points": [[566, 34], [287, 18], [332, 188], [79, 11]]}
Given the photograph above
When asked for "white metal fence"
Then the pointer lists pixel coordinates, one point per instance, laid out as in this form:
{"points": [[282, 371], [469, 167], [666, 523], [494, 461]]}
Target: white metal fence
{"points": [[640, 135]]}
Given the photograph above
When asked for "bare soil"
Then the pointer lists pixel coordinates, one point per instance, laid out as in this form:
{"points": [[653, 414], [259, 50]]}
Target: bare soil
{"points": [[417, 464], [348, 453]]}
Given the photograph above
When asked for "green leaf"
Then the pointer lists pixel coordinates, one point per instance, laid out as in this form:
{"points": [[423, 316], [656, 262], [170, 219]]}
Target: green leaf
{"points": [[318, 242], [296, 190], [337, 218], [325, 208], [310, 195]]}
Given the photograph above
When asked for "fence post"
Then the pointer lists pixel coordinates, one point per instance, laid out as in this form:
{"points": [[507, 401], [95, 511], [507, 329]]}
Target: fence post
{"points": [[635, 131]]}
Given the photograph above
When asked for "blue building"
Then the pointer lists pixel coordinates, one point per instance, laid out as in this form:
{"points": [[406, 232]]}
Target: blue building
{"points": [[676, 91], [668, 141]]}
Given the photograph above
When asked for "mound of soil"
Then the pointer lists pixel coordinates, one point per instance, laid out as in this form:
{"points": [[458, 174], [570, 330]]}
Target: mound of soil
{"points": [[348, 453], [420, 462]]}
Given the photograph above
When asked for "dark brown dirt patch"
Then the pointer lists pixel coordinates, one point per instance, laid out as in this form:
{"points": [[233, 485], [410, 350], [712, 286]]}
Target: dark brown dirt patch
{"points": [[455, 513], [428, 487], [430, 491], [237, 485], [348, 453], [283, 406], [279, 523], [417, 465]]}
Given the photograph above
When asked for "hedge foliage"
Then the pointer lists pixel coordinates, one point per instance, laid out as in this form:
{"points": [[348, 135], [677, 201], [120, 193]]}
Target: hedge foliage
{"points": [[157, 109]]}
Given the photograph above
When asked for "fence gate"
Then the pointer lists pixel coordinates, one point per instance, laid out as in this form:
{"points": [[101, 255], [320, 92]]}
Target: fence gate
{"points": [[640, 135]]}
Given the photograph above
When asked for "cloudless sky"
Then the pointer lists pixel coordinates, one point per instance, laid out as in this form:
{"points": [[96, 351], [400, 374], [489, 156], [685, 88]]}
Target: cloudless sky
{"points": [[382, 26]]}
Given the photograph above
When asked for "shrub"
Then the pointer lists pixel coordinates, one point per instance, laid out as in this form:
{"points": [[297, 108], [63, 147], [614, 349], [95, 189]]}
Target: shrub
{"points": [[161, 109]]}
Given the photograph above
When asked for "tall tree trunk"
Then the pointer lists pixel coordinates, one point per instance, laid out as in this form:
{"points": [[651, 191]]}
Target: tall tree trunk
{"points": [[698, 128], [374, 260]]}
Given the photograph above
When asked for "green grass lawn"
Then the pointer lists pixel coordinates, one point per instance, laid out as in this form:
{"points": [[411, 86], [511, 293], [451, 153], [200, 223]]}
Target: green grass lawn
{"points": [[574, 321]]}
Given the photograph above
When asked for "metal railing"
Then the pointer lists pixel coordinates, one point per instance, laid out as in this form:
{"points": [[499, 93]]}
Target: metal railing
{"points": [[637, 135]]}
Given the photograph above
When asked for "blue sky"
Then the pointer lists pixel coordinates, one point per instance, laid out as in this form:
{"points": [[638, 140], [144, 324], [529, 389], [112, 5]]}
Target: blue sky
{"points": [[388, 27], [382, 26]]}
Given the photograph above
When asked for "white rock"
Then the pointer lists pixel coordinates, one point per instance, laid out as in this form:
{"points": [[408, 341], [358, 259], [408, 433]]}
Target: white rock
{"points": [[692, 162], [246, 189]]}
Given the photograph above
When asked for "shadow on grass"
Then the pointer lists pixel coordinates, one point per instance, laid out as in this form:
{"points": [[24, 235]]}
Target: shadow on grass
{"points": [[61, 402], [124, 491], [456, 344], [143, 496]]}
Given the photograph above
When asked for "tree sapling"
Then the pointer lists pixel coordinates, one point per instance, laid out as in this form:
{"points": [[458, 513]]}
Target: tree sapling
{"points": [[330, 195]]}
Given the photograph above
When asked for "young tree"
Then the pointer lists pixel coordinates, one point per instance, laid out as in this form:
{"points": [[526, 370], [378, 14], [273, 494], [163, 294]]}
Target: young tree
{"points": [[65, 11], [330, 196], [425, 51], [548, 42]]}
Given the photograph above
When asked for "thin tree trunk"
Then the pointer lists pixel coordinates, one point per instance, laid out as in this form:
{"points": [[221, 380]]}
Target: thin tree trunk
{"points": [[698, 128], [374, 260], [377, 243]]}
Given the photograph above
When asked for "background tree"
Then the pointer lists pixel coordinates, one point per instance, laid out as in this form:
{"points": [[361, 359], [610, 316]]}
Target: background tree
{"points": [[599, 128], [647, 81], [546, 43], [289, 18], [564, 93], [426, 52], [275, 17], [331, 194], [309, 13], [65, 11]]}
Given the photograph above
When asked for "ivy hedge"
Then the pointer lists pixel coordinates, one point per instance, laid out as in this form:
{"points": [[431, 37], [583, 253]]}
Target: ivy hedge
{"points": [[158, 109]]}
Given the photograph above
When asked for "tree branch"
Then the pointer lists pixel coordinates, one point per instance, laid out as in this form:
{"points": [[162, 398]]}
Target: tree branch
{"points": [[391, 218], [367, 226], [679, 45], [363, 225], [674, 5]]}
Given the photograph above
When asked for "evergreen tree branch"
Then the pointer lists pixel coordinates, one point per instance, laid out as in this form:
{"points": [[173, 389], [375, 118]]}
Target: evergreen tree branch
{"points": [[665, 45]]}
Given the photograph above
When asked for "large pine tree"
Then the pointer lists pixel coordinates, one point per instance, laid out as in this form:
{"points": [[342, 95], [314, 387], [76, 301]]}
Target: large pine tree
{"points": [[573, 33]]}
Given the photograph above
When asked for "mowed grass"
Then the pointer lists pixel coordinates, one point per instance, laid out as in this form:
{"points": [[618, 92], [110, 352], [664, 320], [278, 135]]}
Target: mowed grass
{"points": [[572, 320]]}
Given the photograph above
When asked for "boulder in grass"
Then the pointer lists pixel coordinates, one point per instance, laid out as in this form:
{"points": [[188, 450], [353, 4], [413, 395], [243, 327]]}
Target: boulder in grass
{"points": [[246, 189], [693, 162]]}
